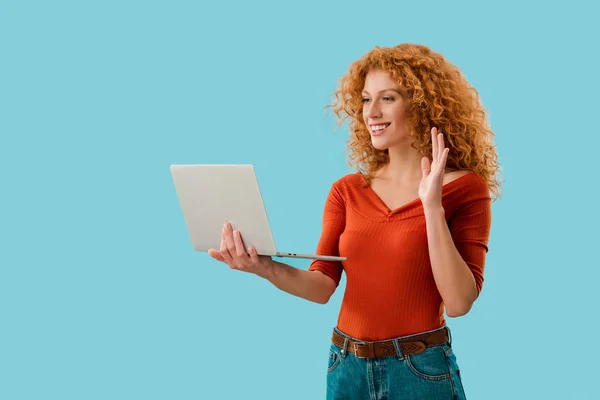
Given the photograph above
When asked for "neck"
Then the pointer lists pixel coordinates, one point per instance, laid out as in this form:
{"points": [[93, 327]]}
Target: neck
{"points": [[404, 167]]}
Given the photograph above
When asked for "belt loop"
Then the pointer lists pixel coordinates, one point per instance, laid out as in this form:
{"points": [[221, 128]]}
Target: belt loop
{"points": [[344, 351], [398, 351], [449, 337]]}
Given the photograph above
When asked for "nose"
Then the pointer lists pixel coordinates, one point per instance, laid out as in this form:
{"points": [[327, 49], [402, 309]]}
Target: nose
{"points": [[373, 110]]}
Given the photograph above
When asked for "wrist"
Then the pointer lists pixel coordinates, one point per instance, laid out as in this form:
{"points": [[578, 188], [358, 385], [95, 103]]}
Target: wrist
{"points": [[433, 210], [267, 270]]}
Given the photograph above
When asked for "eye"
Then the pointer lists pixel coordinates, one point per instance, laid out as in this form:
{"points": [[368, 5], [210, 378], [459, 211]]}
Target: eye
{"points": [[388, 98], [364, 100]]}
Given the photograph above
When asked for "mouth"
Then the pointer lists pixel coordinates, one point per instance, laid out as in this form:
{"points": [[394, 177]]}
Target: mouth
{"points": [[377, 130]]}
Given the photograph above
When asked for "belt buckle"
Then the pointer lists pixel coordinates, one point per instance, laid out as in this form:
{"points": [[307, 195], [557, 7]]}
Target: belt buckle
{"points": [[356, 350], [369, 345]]}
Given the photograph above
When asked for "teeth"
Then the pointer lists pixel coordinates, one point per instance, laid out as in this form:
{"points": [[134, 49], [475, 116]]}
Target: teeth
{"points": [[379, 127]]}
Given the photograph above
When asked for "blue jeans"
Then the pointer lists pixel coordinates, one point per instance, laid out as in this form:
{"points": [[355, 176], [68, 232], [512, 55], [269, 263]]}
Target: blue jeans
{"points": [[432, 374]]}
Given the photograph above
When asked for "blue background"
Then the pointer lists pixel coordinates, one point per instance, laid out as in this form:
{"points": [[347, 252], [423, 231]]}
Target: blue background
{"points": [[101, 293]]}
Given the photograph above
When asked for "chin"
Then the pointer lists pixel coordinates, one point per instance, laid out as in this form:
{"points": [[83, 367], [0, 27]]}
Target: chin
{"points": [[380, 145], [387, 143]]}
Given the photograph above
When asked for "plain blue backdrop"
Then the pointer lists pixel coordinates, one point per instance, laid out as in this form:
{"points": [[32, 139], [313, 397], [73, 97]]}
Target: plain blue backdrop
{"points": [[101, 293]]}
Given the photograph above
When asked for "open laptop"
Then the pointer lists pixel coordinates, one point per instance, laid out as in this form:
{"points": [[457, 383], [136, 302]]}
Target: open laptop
{"points": [[210, 195]]}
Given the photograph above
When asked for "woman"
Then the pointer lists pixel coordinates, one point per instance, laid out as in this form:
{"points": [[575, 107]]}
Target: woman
{"points": [[414, 231]]}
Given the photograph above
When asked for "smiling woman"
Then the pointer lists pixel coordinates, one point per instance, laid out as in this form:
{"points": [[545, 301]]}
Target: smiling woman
{"points": [[410, 192]]}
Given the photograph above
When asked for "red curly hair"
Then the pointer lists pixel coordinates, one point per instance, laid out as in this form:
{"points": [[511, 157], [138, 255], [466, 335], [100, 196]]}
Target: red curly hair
{"points": [[436, 94]]}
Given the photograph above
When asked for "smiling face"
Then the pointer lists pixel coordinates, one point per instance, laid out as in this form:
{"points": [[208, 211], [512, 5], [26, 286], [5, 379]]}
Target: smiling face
{"points": [[384, 110]]}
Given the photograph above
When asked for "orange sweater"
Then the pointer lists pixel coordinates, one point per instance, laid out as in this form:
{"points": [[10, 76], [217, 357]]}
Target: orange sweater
{"points": [[390, 289]]}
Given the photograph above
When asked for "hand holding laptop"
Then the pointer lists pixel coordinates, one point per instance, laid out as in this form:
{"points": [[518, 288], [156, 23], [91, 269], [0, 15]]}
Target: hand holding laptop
{"points": [[209, 194], [233, 253]]}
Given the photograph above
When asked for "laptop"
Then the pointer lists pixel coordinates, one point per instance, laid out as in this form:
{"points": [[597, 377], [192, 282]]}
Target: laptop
{"points": [[210, 195]]}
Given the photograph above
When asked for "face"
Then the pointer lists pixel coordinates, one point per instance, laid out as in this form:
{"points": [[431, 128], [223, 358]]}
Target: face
{"points": [[384, 107]]}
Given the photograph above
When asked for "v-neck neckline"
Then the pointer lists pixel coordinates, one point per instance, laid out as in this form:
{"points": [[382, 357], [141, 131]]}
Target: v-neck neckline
{"points": [[405, 205]]}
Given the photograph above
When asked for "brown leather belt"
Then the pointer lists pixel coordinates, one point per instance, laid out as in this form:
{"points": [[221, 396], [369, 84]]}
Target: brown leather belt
{"points": [[412, 345]]}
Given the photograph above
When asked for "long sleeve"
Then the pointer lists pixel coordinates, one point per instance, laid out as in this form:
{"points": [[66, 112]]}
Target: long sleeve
{"points": [[470, 228], [334, 222]]}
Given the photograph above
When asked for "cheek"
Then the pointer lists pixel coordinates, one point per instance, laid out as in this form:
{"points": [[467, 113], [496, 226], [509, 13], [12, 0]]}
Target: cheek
{"points": [[399, 112], [400, 117]]}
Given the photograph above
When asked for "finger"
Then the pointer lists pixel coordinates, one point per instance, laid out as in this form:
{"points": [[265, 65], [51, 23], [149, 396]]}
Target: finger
{"points": [[434, 143], [441, 146], [229, 239], [445, 158], [224, 250], [216, 255], [442, 163], [239, 245], [440, 149], [254, 255]]}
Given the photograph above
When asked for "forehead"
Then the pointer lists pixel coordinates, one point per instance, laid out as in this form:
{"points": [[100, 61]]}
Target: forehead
{"points": [[379, 79]]}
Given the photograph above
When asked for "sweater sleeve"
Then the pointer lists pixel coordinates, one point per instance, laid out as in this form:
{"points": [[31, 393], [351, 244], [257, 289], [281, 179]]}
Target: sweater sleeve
{"points": [[334, 222], [470, 228]]}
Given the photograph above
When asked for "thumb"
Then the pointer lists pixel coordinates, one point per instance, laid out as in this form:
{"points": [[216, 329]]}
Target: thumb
{"points": [[425, 166], [216, 255]]}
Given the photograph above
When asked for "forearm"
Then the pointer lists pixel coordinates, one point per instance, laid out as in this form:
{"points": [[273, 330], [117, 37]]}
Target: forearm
{"points": [[309, 285], [453, 278]]}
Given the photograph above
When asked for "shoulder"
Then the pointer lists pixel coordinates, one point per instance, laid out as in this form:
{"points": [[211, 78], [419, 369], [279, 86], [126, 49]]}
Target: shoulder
{"points": [[467, 184], [347, 186], [453, 174], [350, 181]]}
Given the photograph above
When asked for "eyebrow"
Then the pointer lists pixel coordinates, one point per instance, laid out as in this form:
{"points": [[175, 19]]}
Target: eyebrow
{"points": [[385, 90]]}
